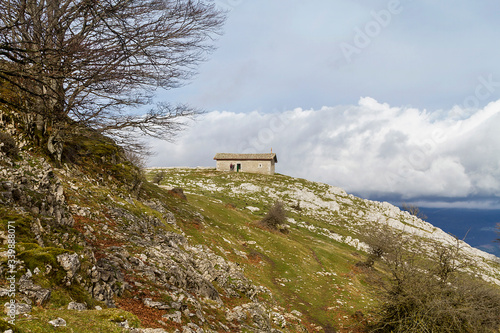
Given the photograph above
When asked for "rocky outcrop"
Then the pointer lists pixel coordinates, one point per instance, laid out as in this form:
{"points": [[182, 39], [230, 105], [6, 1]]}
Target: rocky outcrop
{"points": [[120, 245], [34, 186], [70, 263], [33, 292], [77, 306]]}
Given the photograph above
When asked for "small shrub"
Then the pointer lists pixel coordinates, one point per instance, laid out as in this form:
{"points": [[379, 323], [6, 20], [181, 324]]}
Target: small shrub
{"points": [[158, 177], [137, 158], [178, 192], [5, 327], [276, 217], [413, 210], [8, 145]]}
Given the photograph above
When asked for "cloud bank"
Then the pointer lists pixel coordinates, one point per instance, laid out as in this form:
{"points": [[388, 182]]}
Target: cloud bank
{"points": [[370, 149]]}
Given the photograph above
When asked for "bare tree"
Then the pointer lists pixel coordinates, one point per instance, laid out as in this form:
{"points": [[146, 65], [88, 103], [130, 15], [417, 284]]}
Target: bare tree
{"points": [[93, 62], [428, 290], [413, 210]]}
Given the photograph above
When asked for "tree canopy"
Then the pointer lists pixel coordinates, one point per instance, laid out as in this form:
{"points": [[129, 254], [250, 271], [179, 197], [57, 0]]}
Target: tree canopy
{"points": [[91, 62]]}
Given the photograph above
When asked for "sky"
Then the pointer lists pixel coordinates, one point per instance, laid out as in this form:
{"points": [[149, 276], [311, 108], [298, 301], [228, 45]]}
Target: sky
{"points": [[393, 100]]}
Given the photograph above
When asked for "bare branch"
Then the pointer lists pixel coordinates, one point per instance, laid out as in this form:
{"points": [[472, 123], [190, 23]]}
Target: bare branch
{"points": [[97, 61]]}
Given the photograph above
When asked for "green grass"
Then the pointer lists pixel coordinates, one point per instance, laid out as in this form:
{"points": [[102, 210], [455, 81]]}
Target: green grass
{"points": [[88, 321], [303, 270]]}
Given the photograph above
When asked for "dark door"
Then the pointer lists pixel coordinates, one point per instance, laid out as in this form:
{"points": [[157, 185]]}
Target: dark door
{"points": [[238, 167]]}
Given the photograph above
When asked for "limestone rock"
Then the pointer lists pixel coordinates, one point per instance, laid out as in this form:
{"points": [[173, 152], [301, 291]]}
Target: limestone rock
{"points": [[192, 328], [58, 322], [35, 292], [77, 306], [254, 311], [176, 317], [20, 308], [70, 263], [157, 305]]}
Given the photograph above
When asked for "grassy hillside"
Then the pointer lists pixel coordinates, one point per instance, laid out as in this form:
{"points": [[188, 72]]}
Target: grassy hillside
{"points": [[315, 267]]}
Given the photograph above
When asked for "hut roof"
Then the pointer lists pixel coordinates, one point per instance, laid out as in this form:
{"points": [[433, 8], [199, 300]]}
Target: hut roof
{"points": [[256, 157]]}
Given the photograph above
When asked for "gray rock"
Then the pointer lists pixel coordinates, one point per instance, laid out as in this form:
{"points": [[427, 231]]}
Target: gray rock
{"points": [[124, 324], [33, 291], [103, 292], [20, 308], [77, 306], [59, 194], [175, 305], [70, 263], [153, 304], [192, 328], [58, 322], [254, 311], [176, 317]]}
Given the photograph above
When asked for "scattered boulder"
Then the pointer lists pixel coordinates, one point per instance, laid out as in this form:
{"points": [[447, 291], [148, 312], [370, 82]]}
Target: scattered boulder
{"points": [[77, 306], [157, 305], [70, 263], [192, 328], [58, 322], [20, 308], [253, 311], [35, 292], [176, 317]]}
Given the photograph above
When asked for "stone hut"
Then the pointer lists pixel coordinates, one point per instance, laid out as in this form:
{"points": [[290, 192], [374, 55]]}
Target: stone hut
{"points": [[253, 163]]}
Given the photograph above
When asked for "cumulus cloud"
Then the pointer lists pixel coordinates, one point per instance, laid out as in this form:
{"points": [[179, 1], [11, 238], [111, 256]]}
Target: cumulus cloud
{"points": [[371, 149]]}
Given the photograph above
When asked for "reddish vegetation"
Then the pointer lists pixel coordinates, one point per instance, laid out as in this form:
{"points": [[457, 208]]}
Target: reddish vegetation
{"points": [[149, 317], [254, 258], [101, 241], [80, 221]]}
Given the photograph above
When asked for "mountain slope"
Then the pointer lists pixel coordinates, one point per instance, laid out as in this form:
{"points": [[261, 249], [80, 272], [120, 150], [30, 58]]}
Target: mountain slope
{"points": [[103, 249], [313, 268], [329, 206]]}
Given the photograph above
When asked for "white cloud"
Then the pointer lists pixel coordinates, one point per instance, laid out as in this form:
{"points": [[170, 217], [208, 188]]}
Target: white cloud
{"points": [[370, 148]]}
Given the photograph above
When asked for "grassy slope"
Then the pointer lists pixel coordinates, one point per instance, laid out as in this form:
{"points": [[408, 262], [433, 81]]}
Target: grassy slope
{"points": [[305, 271]]}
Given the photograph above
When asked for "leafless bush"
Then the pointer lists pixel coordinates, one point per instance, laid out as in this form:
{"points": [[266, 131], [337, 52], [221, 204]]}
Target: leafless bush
{"points": [[383, 241], [428, 292], [276, 217], [413, 210], [159, 176], [137, 158], [8, 145]]}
